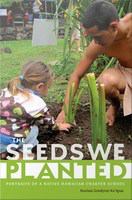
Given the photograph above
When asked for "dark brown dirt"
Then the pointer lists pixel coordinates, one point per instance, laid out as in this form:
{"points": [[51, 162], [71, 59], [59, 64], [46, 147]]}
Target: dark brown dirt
{"points": [[121, 132]]}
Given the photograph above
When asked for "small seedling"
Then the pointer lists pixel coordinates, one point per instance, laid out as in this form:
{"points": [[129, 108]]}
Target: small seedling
{"points": [[71, 109]]}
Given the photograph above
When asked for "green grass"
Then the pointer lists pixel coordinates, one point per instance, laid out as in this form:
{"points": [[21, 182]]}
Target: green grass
{"points": [[23, 51]]}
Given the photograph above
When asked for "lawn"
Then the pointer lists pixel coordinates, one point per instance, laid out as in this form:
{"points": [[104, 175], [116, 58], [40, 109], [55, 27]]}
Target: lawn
{"points": [[23, 51]]}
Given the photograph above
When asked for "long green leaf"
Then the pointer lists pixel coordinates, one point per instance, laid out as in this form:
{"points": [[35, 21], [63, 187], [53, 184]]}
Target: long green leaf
{"points": [[94, 109], [102, 116]]}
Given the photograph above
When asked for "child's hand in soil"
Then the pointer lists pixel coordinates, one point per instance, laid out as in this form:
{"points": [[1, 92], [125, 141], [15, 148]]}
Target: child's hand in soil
{"points": [[64, 126]]}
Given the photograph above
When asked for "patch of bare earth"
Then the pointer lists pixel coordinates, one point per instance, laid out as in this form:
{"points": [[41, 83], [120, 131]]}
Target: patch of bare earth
{"points": [[121, 132]]}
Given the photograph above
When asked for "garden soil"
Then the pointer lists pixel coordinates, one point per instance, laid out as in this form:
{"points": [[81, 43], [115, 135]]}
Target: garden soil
{"points": [[121, 132]]}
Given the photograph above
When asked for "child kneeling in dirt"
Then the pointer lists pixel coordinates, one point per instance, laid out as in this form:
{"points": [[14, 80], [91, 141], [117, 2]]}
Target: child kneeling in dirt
{"points": [[22, 106]]}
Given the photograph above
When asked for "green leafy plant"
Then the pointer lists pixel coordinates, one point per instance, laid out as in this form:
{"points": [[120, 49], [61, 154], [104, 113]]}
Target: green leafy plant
{"points": [[97, 111], [71, 109]]}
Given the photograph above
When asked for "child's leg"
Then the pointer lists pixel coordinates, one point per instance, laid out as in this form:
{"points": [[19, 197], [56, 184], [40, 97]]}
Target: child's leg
{"points": [[31, 139]]}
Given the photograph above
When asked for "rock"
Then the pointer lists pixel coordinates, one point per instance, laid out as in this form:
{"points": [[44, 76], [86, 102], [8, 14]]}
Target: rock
{"points": [[5, 50]]}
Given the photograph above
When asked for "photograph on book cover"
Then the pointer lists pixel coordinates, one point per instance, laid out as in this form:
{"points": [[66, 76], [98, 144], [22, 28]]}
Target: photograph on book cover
{"points": [[65, 99]]}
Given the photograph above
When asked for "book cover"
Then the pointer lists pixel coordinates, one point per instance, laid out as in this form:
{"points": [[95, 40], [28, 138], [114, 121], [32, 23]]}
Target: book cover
{"points": [[88, 161]]}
